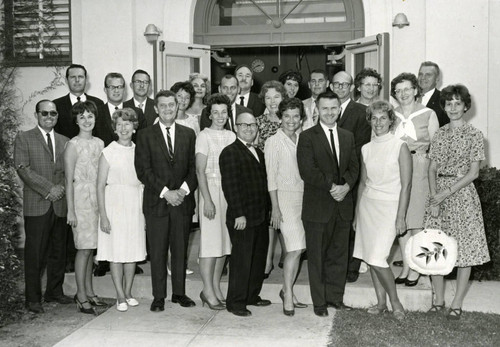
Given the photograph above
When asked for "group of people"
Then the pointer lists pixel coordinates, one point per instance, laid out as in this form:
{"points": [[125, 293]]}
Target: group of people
{"points": [[338, 178]]}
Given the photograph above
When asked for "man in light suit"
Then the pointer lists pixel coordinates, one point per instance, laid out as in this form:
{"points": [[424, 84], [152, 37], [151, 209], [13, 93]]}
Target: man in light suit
{"points": [[245, 97], [38, 158], [141, 86], [244, 183], [165, 164], [353, 118], [318, 83], [428, 77], [228, 86], [326, 156]]}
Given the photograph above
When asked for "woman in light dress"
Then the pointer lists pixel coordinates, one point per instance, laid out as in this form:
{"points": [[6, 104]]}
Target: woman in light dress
{"points": [[383, 197], [368, 84], [215, 243], [81, 158], [416, 125], [201, 85], [122, 236], [286, 189]]}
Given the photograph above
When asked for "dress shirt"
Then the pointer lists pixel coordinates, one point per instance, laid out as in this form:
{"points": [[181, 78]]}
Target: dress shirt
{"points": [[74, 100], [335, 138], [233, 111], [245, 100], [112, 108], [52, 138], [251, 149], [138, 105], [343, 107], [427, 96]]}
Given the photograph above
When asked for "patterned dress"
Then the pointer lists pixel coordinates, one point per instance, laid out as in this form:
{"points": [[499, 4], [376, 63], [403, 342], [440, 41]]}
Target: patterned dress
{"points": [[460, 214], [267, 128], [85, 193]]}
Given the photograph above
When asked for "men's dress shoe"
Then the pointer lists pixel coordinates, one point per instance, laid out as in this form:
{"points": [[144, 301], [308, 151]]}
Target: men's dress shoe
{"points": [[321, 311], [63, 299], [241, 312], [158, 305], [261, 302], [339, 306], [182, 300], [352, 276], [34, 307], [398, 263], [138, 270]]}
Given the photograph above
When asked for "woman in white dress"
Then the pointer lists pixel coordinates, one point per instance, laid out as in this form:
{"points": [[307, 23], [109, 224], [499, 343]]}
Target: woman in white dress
{"points": [[215, 243], [383, 198], [122, 237]]}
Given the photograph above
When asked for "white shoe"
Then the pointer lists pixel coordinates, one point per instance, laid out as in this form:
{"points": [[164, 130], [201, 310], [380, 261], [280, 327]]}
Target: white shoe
{"points": [[189, 271], [132, 302], [121, 306], [363, 267]]}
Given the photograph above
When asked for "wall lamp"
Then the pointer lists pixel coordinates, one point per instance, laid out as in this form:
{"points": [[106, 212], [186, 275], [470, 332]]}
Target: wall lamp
{"points": [[152, 33], [400, 21]]}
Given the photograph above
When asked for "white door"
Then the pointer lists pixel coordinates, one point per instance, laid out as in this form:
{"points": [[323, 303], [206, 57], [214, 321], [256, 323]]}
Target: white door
{"points": [[373, 52], [178, 60]]}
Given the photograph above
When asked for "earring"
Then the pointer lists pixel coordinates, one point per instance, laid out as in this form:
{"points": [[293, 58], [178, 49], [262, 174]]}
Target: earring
{"points": [[133, 131]]}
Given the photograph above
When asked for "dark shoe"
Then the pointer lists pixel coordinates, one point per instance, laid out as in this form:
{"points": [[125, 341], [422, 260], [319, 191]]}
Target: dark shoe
{"points": [[34, 307], [280, 265], [79, 306], [295, 304], [413, 283], [285, 311], [101, 269], [454, 314], [241, 313], [261, 303], [138, 270], [96, 301], [339, 306], [266, 275], [352, 276], [219, 306], [183, 300], [436, 308], [158, 305], [400, 280], [398, 263], [63, 299], [320, 311]]}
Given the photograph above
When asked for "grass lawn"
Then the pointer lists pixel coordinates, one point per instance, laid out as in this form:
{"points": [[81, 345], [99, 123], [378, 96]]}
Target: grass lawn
{"points": [[358, 328]]}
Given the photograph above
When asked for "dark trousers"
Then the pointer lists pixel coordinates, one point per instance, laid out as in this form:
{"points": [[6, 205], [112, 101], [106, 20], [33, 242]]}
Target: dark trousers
{"points": [[354, 263], [246, 265], [45, 247], [327, 252], [171, 231]]}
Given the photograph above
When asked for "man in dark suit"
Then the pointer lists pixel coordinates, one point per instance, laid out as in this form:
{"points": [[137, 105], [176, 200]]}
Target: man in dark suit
{"points": [[114, 87], [76, 78], [428, 77], [228, 86], [165, 164], [141, 82], [353, 118], [326, 156], [246, 97], [38, 158], [244, 183]]}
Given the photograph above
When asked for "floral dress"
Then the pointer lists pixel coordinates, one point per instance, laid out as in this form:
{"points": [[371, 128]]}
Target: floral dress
{"points": [[460, 214], [267, 128]]}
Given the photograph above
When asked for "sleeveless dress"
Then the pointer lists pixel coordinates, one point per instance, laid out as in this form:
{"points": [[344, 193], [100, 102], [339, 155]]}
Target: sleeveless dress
{"points": [[123, 200], [378, 206], [85, 193]]}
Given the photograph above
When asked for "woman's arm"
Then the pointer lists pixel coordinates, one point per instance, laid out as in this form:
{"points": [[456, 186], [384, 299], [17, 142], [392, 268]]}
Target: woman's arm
{"points": [[102, 177], [70, 157], [471, 175], [405, 174], [432, 174], [276, 217], [201, 165]]}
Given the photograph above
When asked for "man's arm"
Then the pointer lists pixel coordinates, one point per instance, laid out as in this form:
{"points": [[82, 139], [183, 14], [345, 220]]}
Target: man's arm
{"points": [[308, 165], [350, 176], [231, 184]]}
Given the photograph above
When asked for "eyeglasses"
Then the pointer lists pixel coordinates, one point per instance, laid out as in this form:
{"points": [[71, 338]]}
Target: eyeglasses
{"points": [[245, 126], [48, 113], [371, 85], [142, 83], [342, 85], [115, 87], [406, 91]]}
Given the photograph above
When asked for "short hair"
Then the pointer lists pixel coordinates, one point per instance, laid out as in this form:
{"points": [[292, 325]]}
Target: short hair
{"points": [[219, 99], [367, 72], [433, 64], [272, 85], [37, 106], [291, 104], [166, 94], [290, 75], [455, 91], [82, 106], [381, 106], [327, 95], [405, 76], [228, 77], [76, 66], [126, 114], [321, 71], [195, 75], [113, 75], [187, 87], [243, 65], [139, 71]]}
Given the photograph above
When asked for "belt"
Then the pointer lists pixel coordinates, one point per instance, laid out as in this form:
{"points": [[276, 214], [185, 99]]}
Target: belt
{"points": [[446, 175], [420, 152]]}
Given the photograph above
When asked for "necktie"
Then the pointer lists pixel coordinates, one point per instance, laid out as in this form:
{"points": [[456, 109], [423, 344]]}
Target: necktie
{"points": [[141, 107], [231, 123], [333, 148], [169, 145], [78, 99], [49, 143], [242, 100]]}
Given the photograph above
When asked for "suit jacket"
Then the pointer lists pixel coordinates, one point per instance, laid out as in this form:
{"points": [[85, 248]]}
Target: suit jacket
{"points": [[318, 170], [354, 120], [38, 171], [65, 125], [206, 122], [433, 104], [244, 183], [150, 114], [103, 128], [156, 171], [255, 104]]}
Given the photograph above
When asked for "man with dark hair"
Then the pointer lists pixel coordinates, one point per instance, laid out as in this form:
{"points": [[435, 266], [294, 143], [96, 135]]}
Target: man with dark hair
{"points": [[428, 78], [141, 87], [246, 97], [326, 156], [318, 82]]}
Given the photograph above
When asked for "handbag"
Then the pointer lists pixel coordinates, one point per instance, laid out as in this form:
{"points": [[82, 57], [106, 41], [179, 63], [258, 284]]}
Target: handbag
{"points": [[431, 252]]}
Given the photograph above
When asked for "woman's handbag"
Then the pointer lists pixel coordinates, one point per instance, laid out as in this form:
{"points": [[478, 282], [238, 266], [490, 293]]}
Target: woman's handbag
{"points": [[431, 252]]}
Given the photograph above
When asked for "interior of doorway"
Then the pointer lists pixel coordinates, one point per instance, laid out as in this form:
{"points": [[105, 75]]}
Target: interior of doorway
{"points": [[275, 60]]}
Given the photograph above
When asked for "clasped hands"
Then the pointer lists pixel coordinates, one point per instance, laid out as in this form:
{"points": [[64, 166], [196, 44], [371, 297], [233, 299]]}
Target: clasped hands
{"points": [[56, 193], [338, 192], [436, 200], [175, 197]]}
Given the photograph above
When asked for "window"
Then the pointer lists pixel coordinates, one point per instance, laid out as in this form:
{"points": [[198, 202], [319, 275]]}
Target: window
{"points": [[37, 32]]}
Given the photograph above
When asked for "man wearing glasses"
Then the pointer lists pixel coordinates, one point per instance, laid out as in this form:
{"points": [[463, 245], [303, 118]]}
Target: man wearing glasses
{"points": [[353, 118], [244, 183], [39, 162], [141, 83]]}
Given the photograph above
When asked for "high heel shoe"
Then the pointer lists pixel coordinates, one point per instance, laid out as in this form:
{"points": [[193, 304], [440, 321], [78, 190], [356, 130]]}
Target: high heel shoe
{"points": [[266, 274], [96, 301], [217, 307], [286, 312], [295, 304], [412, 283], [79, 306], [400, 280]]}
